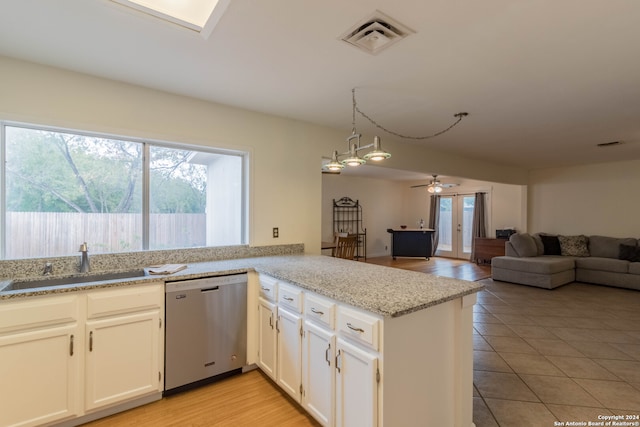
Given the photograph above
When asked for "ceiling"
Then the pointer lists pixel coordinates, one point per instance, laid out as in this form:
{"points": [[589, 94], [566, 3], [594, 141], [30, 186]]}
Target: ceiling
{"points": [[543, 81]]}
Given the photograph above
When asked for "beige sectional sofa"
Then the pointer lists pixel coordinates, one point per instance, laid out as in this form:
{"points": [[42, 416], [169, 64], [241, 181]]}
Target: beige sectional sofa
{"points": [[549, 261]]}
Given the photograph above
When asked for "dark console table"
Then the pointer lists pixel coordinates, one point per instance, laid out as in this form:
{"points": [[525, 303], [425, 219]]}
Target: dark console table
{"points": [[411, 242]]}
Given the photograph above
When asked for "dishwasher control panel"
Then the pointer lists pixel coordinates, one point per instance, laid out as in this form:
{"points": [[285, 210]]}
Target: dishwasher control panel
{"points": [[184, 285]]}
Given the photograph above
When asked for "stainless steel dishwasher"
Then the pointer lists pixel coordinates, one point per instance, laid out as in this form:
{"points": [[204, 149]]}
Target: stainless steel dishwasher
{"points": [[205, 330]]}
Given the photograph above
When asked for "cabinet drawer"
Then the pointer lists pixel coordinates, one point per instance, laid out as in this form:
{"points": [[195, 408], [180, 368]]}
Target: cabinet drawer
{"points": [[124, 300], [320, 310], [290, 296], [268, 287], [38, 312], [358, 326]]}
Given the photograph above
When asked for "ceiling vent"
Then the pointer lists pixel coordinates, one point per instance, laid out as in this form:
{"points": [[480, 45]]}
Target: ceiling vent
{"points": [[376, 33]]}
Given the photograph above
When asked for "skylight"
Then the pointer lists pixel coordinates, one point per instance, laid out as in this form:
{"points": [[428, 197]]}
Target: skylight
{"points": [[197, 15]]}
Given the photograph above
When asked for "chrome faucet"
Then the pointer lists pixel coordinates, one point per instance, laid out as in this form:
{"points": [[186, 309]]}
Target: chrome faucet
{"points": [[84, 260]]}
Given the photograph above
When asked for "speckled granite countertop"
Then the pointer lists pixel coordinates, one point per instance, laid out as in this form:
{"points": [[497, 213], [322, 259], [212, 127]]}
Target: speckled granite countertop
{"points": [[386, 291]]}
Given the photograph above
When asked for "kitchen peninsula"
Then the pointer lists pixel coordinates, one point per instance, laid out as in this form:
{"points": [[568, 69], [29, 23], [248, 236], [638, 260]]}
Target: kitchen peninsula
{"points": [[417, 330]]}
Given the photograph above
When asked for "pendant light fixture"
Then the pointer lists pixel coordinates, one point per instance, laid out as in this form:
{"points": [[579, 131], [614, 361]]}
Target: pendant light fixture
{"points": [[377, 154], [353, 144]]}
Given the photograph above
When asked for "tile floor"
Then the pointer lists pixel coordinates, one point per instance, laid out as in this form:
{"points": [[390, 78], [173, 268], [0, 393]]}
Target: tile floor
{"points": [[552, 357]]}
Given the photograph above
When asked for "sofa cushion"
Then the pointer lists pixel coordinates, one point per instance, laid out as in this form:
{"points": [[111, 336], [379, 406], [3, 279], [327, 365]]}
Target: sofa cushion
{"points": [[523, 244], [539, 264], [629, 253], [574, 245], [538, 242], [608, 247], [603, 264], [551, 244], [634, 268]]}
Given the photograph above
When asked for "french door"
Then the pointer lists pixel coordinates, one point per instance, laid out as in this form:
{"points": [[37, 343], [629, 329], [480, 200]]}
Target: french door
{"points": [[455, 227]]}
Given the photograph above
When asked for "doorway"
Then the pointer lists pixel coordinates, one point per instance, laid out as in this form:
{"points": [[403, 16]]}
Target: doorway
{"points": [[455, 227]]}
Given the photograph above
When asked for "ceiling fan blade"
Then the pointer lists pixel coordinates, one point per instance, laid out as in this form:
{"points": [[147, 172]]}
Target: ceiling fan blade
{"points": [[421, 185]]}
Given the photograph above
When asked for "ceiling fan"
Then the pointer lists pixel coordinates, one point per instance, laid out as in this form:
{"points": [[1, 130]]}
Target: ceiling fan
{"points": [[435, 186]]}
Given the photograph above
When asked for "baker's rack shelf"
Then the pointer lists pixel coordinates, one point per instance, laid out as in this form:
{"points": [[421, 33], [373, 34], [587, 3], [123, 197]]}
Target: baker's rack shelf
{"points": [[347, 218]]}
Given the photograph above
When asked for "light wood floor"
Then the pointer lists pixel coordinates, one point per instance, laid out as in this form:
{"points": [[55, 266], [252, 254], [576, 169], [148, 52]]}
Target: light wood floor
{"points": [[252, 399], [249, 400], [447, 267]]}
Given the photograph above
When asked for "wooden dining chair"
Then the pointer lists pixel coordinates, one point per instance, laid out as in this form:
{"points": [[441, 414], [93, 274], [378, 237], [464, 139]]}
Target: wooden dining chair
{"points": [[346, 247]]}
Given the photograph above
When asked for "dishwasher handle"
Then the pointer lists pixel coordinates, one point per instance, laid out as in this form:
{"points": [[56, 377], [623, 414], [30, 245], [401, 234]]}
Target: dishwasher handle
{"points": [[213, 288]]}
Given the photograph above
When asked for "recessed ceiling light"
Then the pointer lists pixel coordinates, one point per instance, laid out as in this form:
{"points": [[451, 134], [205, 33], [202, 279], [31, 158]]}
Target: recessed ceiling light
{"points": [[197, 15]]}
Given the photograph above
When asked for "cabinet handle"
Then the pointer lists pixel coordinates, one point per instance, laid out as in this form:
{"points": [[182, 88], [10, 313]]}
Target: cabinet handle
{"points": [[288, 299], [71, 345], [277, 328], [326, 355], [91, 341], [337, 360], [353, 328], [271, 321], [314, 311], [266, 289]]}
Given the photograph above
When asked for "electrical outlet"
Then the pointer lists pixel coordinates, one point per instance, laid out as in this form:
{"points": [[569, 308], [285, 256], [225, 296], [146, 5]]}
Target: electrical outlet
{"points": [[276, 233]]}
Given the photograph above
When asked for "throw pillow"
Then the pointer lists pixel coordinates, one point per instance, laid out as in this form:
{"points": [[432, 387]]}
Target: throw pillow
{"points": [[551, 244], [574, 245], [524, 245], [629, 253]]}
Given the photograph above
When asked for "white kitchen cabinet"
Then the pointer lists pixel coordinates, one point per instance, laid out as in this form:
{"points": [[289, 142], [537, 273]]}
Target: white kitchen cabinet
{"points": [[124, 358], [413, 369], [289, 355], [318, 378], [40, 341], [356, 386], [70, 356], [267, 337], [39, 376], [268, 288]]}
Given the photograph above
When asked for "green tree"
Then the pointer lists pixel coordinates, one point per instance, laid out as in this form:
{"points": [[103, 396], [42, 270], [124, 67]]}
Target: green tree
{"points": [[59, 172]]}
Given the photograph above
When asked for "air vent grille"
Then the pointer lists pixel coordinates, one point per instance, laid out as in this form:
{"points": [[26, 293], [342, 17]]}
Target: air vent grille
{"points": [[375, 33]]}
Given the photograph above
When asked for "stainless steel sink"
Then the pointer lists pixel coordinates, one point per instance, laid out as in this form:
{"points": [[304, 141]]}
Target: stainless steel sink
{"points": [[70, 280]]}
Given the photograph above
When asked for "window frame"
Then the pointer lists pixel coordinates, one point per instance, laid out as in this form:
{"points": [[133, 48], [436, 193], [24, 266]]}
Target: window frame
{"points": [[146, 144]]}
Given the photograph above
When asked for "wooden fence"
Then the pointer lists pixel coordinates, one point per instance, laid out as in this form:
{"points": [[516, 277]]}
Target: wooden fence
{"points": [[41, 234]]}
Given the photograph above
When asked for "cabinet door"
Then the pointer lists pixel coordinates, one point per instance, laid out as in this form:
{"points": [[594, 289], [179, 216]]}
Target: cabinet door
{"points": [[267, 337], [289, 372], [40, 374], [318, 380], [356, 386], [122, 359]]}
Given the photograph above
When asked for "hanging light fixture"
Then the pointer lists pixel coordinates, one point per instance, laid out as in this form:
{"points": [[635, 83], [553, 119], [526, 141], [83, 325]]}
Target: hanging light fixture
{"points": [[377, 153], [353, 143], [334, 165]]}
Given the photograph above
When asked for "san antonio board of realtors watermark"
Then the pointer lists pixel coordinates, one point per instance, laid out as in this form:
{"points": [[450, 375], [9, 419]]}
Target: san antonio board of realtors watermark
{"points": [[604, 421]]}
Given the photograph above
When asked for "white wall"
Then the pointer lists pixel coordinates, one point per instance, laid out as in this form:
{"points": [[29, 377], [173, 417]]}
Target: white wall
{"points": [[382, 204], [506, 203], [389, 204], [285, 179], [593, 199]]}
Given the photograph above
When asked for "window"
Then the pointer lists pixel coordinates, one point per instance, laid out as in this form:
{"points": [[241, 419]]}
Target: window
{"points": [[62, 189]]}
